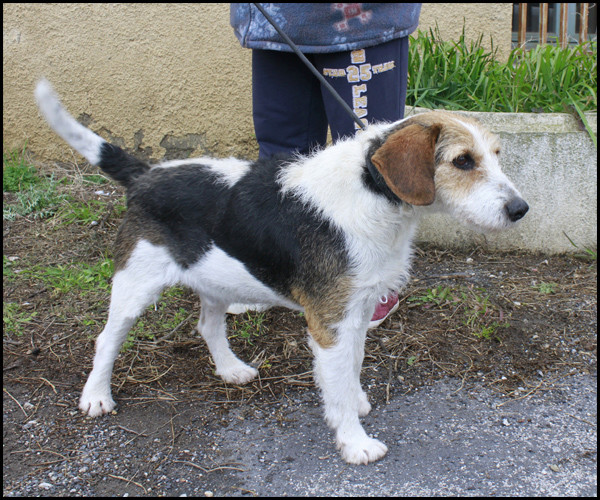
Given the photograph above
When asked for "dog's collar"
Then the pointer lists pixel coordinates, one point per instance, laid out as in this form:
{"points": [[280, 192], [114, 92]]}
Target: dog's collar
{"points": [[379, 183]]}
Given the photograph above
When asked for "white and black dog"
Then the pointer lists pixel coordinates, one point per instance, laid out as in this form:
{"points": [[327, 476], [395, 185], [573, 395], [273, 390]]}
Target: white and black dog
{"points": [[327, 234]]}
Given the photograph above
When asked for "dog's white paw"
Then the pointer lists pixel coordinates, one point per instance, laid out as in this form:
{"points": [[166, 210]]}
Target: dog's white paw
{"points": [[363, 450], [237, 373], [96, 405], [364, 407]]}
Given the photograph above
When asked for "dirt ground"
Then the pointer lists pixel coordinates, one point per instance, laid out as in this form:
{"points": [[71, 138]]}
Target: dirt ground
{"points": [[510, 322]]}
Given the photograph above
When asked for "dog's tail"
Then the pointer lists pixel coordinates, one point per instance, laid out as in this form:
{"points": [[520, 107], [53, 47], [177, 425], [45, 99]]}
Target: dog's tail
{"points": [[121, 166]]}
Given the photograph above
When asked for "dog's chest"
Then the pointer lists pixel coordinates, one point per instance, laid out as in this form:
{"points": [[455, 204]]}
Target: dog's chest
{"points": [[384, 261]]}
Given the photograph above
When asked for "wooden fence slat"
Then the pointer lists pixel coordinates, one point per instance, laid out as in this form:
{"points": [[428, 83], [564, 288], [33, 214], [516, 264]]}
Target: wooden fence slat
{"points": [[563, 37], [543, 23], [522, 24], [583, 23]]}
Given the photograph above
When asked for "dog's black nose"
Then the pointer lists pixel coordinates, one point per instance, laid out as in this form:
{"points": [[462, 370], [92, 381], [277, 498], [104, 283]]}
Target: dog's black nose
{"points": [[516, 209]]}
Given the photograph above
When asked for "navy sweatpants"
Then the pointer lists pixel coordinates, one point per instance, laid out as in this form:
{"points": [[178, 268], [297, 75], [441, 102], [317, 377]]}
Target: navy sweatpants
{"points": [[292, 111]]}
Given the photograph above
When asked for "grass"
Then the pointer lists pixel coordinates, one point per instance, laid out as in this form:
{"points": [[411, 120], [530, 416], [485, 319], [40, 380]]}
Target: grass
{"points": [[17, 173], [88, 212], [545, 288], [78, 277], [466, 76], [14, 319], [160, 319], [588, 252], [456, 75], [36, 195], [478, 314], [248, 326]]}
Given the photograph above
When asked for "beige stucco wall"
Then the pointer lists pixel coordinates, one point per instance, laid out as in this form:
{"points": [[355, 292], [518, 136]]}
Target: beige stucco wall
{"points": [[489, 19], [155, 78]]}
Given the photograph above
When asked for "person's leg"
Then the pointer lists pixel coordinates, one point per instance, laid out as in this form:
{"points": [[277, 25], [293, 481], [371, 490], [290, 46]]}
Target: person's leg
{"points": [[373, 81], [287, 105]]}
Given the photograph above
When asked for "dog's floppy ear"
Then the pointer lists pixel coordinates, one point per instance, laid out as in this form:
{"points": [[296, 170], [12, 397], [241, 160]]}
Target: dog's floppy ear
{"points": [[406, 163]]}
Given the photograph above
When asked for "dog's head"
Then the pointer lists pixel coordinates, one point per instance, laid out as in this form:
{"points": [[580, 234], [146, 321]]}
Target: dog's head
{"points": [[451, 161]]}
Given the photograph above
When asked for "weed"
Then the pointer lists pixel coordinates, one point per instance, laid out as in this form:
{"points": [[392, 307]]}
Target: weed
{"points": [[7, 268], [95, 179], [438, 296], [589, 253], [248, 327], [546, 288], [158, 319], [479, 313], [78, 277], [17, 173], [13, 319], [88, 212], [35, 195], [488, 331], [473, 305]]}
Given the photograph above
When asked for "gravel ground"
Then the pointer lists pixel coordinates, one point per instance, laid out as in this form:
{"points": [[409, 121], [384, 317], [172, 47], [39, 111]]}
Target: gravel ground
{"points": [[447, 438]]}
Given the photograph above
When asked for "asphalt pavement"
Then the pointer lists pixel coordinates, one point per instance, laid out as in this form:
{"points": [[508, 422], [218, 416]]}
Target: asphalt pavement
{"points": [[442, 440]]}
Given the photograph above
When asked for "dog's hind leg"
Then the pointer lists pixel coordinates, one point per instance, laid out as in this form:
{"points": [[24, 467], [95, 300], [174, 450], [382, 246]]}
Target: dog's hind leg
{"points": [[134, 288], [213, 328]]}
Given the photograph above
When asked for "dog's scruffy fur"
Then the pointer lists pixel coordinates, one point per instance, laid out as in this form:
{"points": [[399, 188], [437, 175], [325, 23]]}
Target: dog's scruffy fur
{"points": [[328, 234]]}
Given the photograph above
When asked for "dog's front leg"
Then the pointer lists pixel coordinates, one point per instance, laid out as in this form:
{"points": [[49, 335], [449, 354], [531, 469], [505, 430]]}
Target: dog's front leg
{"points": [[337, 372]]}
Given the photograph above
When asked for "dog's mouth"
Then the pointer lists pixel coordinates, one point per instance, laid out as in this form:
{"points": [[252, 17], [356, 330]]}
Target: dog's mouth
{"points": [[502, 223]]}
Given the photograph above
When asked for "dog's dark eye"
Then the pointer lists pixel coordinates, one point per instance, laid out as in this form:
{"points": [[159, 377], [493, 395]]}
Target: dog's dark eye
{"points": [[464, 162]]}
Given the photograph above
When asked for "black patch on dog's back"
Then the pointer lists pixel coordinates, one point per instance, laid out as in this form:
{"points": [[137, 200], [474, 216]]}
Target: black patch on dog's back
{"points": [[277, 238]]}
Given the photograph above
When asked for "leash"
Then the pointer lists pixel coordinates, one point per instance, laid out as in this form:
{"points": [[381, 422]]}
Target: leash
{"points": [[310, 66]]}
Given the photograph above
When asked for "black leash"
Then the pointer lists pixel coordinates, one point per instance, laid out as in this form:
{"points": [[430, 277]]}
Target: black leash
{"points": [[311, 67]]}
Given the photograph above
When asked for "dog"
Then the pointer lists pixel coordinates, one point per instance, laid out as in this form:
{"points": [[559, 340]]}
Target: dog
{"points": [[327, 234]]}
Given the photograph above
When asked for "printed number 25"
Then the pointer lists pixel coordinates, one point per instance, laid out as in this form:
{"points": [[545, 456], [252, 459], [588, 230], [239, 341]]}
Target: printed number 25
{"points": [[359, 73]]}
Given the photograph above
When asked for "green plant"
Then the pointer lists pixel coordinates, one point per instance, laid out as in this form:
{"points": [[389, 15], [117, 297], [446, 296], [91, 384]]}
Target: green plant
{"points": [[546, 288], [85, 212], [159, 319], [437, 295], [95, 179], [13, 319], [7, 268], [465, 76], [17, 173], [589, 253], [79, 277], [472, 305], [249, 326], [447, 75], [36, 195], [479, 314], [488, 331]]}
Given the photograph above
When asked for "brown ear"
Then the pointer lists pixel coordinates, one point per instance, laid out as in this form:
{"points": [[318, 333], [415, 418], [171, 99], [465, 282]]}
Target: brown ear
{"points": [[406, 163]]}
